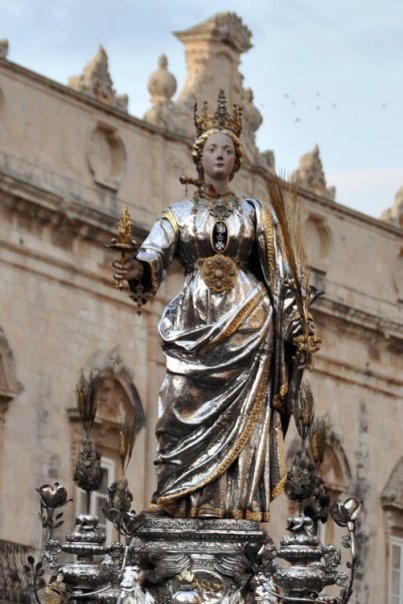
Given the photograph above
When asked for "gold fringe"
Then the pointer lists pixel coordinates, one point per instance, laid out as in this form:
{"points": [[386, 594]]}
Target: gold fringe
{"points": [[253, 515], [236, 321], [279, 488]]}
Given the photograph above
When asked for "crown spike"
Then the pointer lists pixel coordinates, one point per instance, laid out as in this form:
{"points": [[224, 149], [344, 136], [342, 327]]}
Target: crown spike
{"points": [[221, 119]]}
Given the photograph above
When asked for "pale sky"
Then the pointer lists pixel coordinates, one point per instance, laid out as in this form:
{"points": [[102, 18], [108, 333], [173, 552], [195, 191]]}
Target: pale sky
{"points": [[326, 73]]}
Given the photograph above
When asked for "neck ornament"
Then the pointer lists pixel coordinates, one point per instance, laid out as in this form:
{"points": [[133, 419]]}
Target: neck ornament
{"points": [[220, 206]]}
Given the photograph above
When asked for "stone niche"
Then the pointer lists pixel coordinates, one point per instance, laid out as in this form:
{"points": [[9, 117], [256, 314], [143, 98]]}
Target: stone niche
{"points": [[394, 214], [1, 110], [10, 387], [106, 156], [318, 245], [397, 276]]}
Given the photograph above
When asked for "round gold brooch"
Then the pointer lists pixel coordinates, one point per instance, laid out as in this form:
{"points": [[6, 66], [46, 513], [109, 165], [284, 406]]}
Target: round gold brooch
{"points": [[219, 273]]}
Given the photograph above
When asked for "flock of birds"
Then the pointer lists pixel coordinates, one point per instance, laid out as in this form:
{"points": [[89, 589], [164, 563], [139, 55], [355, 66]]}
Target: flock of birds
{"points": [[318, 106]]}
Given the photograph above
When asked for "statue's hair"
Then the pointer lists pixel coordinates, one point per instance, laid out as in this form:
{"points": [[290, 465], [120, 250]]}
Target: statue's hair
{"points": [[199, 143]]}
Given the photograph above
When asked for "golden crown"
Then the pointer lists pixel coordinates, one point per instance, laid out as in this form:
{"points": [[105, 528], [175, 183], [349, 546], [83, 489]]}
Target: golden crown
{"points": [[221, 119]]}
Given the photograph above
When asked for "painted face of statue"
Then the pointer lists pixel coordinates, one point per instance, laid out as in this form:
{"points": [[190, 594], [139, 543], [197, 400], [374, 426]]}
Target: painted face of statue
{"points": [[218, 158]]}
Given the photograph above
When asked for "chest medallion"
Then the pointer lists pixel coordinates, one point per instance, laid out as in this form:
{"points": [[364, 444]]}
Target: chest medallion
{"points": [[219, 237]]}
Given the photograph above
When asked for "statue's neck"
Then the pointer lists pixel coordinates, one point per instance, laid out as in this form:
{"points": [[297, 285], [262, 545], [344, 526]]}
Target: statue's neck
{"points": [[217, 189]]}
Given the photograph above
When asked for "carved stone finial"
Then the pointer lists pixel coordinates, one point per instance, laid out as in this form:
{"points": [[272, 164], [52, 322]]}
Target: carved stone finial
{"points": [[3, 49], [162, 87], [251, 114], [227, 28], [310, 175], [394, 214], [95, 81], [213, 51], [161, 83], [252, 119]]}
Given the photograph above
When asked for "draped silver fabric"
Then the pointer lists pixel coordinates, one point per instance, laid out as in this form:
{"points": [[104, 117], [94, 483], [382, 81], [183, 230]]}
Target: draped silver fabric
{"points": [[222, 406]]}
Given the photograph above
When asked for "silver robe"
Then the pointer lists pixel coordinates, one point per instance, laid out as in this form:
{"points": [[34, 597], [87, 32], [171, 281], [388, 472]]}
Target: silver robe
{"points": [[222, 405]]}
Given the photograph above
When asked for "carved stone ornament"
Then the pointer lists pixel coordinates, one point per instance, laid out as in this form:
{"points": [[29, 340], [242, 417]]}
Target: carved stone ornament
{"points": [[10, 387], [397, 276], [161, 83], [162, 87], [252, 120], [222, 27], [96, 82], [310, 175], [1, 109], [318, 241], [392, 494], [106, 156], [394, 214], [251, 114], [213, 49], [3, 49]]}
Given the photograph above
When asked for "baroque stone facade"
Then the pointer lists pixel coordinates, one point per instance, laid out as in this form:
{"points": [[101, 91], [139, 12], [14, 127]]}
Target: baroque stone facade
{"points": [[63, 183]]}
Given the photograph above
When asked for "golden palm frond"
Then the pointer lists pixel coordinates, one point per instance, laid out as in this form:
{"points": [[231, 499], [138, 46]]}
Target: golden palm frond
{"points": [[318, 439], [87, 402], [304, 410], [127, 438], [296, 231]]}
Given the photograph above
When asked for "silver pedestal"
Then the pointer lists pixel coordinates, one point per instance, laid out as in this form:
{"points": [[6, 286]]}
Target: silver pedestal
{"points": [[198, 560]]}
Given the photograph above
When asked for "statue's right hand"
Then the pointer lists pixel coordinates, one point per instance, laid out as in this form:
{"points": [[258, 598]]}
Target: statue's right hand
{"points": [[127, 270]]}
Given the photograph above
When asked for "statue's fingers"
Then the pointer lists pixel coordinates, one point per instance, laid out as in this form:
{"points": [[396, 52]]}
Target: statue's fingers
{"points": [[120, 276], [117, 264]]}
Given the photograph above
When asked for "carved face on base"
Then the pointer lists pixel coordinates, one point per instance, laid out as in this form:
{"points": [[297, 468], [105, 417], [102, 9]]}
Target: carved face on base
{"points": [[218, 158]]}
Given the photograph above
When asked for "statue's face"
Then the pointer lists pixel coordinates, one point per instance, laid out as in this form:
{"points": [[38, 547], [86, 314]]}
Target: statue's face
{"points": [[218, 157]]}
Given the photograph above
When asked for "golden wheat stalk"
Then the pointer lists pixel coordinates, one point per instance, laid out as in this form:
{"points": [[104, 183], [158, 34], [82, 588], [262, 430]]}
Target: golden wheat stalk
{"points": [[292, 245]]}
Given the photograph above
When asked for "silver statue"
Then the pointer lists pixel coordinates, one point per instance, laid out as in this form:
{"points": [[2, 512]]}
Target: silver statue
{"points": [[227, 338]]}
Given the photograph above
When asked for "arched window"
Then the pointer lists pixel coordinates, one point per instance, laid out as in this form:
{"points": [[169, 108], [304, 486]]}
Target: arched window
{"points": [[10, 387], [118, 405], [392, 503]]}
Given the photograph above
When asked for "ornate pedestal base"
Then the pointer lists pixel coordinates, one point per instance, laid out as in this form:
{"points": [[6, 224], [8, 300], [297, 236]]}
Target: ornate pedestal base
{"points": [[198, 560]]}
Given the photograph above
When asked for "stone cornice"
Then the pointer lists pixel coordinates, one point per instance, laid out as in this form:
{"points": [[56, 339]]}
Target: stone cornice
{"points": [[336, 208], [371, 380], [365, 323], [82, 219]]}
